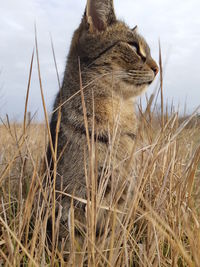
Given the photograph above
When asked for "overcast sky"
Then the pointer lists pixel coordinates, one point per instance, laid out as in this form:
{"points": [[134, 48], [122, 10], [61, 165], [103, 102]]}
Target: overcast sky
{"points": [[175, 22]]}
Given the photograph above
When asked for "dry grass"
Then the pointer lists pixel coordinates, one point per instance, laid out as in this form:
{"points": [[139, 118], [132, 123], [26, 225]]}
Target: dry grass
{"points": [[161, 227]]}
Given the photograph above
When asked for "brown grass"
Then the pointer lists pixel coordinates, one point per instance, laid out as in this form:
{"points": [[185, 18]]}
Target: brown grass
{"points": [[160, 228]]}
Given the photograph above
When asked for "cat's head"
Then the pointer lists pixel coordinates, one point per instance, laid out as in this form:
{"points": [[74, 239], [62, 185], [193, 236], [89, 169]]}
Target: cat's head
{"points": [[107, 46]]}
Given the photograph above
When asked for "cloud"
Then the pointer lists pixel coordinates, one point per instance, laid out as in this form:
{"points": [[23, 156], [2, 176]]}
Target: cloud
{"points": [[177, 28]]}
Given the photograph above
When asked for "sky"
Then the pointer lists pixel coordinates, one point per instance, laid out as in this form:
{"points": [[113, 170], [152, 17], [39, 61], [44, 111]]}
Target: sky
{"points": [[176, 23]]}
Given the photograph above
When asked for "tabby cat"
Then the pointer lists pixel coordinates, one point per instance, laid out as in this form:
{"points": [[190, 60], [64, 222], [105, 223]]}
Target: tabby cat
{"points": [[108, 66]]}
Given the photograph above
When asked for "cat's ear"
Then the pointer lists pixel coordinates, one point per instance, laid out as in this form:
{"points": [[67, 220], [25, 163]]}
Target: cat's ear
{"points": [[100, 14]]}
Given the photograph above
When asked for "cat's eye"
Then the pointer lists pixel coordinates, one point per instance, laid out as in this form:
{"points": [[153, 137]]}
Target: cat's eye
{"points": [[136, 46]]}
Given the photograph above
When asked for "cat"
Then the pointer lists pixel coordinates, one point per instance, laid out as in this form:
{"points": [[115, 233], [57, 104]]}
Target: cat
{"points": [[108, 66]]}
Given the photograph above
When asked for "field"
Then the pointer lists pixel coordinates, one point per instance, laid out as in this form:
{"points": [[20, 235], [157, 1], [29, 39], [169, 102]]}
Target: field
{"points": [[161, 227]]}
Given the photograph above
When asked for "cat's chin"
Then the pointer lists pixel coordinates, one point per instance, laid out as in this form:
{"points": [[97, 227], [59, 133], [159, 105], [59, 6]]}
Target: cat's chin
{"points": [[135, 91], [142, 89]]}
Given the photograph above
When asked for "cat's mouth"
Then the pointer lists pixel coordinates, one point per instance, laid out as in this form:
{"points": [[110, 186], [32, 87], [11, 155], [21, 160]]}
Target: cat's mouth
{"points": [[149, 83], [140, 82], [144, 83]]}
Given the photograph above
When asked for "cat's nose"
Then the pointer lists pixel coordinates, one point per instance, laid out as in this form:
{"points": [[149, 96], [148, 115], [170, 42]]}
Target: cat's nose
{"points": [[153, 65], [154, 68]]}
